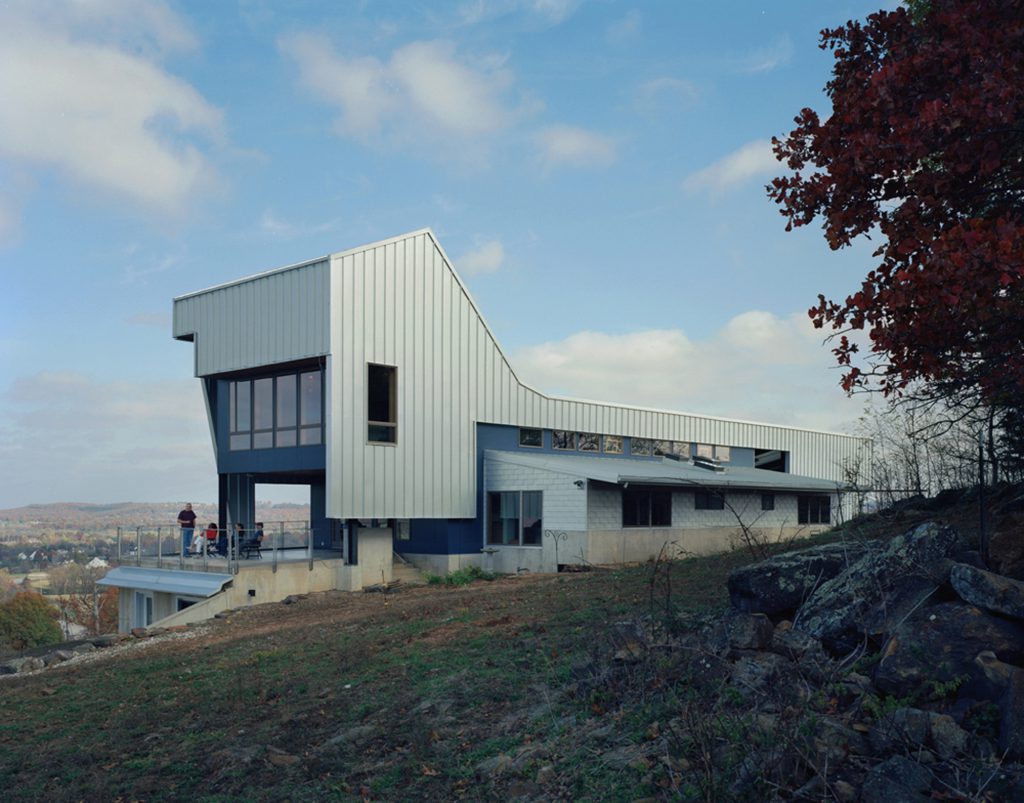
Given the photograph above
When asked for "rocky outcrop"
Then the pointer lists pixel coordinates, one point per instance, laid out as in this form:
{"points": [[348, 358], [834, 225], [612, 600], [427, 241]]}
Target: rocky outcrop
{"points": [[939, 645], [777, 587], [882, 588], [938, 641]]}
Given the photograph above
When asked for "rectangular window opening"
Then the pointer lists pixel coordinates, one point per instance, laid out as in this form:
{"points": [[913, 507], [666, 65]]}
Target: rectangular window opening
{"points": [[514, 518], [382, 403], [708, 500], [814, 509], [646, 507], [531, 438]]}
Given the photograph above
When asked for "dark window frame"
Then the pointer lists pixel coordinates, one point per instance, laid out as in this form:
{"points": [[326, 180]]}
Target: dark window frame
{"points": [[708, 500], [814, 509], [527, 535], [243, 432], [529, 433], [646, 508], [381, 379]]}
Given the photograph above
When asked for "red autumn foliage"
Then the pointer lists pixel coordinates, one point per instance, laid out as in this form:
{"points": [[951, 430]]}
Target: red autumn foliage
{"points": [[925, 147]]}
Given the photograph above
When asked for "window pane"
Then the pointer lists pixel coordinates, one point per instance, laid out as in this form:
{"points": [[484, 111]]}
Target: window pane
{"points": [[262, 440], [705, 450], [242, 401], [310, 402], [767, 501], [531, 437], [723, 453], [285, 437], [662, 447], [708, 500], [532, 517], [309, 436], [642, 446], [589, 442], [380, 433], [636, 507], [232, 415], [563, 439], [503, 519], [239, 442], [661, 508], [263, 404], [613, 444], [286, 402]]}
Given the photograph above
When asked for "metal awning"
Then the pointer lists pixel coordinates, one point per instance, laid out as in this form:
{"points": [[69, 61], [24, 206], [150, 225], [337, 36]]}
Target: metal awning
{"points": [[665, 471], [171, 581]]}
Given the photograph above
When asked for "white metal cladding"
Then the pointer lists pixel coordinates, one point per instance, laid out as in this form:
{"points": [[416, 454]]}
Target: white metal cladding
{"points": [[400, 303], [271, 318]]}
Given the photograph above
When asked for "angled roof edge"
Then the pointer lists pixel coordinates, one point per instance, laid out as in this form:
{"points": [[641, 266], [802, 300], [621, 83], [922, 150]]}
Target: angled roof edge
{"points": [[490, 333], [173, 581]]}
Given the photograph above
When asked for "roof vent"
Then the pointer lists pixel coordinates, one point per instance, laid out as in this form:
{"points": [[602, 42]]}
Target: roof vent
{"points": [[707, 463]]}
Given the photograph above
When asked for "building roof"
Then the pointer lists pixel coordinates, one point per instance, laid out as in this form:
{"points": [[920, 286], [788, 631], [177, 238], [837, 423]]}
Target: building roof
{"points": [[173, 581], [664, 471]]}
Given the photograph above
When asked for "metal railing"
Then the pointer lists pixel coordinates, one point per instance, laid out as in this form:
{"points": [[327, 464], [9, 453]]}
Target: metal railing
{"points": [[162, 546]]}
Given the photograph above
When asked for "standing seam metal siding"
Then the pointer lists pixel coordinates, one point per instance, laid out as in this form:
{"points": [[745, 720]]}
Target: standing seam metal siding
{"points": [[400, 303], [271, 318]]}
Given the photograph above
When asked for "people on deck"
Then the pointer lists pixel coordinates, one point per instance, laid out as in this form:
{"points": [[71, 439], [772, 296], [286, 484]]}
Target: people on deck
{"points": [[187, 522], [204, 541]]}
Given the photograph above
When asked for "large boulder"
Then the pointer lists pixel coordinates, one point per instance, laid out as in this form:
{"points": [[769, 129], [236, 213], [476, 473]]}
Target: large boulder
{"points": [[990, 591], [1006, 545], [938, 646], [894, 580], [779, 585]]}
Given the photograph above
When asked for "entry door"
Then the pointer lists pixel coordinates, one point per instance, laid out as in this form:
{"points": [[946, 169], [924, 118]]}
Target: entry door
{"points": [[143, 609]]}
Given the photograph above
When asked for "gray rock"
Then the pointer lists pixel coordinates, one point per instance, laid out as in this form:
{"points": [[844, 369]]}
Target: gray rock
{"points": [[779, 585], [58, 657], [948, 738], [897, 780], [838, 610], [749, 631], [990, 679], [990, 591], [938, 645], [1011, 723], [752, 673]]}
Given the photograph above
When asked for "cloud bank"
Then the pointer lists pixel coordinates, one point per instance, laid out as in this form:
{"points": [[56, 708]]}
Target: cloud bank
{"points": [[84, 94]]}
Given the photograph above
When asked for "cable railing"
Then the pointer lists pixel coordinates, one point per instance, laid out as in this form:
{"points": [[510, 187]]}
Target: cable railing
{"points": [[214, 549]]}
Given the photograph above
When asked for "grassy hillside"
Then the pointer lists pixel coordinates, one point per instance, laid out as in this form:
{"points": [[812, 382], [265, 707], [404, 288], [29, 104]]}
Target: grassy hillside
{"points": [[425, 694]]}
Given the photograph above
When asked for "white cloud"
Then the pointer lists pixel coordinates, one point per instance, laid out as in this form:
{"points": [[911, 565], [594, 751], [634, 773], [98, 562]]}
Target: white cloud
{"points": [[768, 58], [486, 258], [569, 146], [92, 432], [79, 98], [752, 160], [423, 90], [759, 367], [664, 91]]}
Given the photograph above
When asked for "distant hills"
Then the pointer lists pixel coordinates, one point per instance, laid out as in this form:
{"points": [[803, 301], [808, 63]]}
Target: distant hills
{"points": [[82, 516]]}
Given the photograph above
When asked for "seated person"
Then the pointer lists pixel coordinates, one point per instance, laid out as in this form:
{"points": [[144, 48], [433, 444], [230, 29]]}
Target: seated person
{"points": [[201, 538], [253, 540], [211, 538]]}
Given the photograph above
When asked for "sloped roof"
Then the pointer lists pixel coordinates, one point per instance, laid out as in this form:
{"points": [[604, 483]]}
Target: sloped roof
{"points": [[173, 581], [664, 471]]}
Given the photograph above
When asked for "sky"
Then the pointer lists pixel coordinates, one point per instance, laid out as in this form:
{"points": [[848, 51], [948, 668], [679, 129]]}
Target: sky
{"points": [[595, 170]]}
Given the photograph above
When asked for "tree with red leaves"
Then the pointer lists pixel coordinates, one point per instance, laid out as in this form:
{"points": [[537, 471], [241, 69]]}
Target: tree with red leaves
{"points": [[924, 147]]}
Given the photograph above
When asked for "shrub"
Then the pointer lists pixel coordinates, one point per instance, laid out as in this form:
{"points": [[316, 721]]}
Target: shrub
{"points": [[28, 620]]}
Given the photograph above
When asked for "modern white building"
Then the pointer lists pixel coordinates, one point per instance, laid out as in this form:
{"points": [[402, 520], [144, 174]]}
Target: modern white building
{"points": [[371, 376]]}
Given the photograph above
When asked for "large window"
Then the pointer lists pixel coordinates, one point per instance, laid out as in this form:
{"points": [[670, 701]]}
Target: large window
{"points": [[276, 411], [814, 509], [708, 500], [382, 403], [514, 518], [646, 507]]}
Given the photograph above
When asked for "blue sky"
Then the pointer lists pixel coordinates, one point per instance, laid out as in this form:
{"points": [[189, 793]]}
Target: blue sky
{"points": [[594, 169]]}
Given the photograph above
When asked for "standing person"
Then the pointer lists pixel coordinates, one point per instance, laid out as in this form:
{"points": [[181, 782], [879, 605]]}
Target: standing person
{"points": [[187, 522]]}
